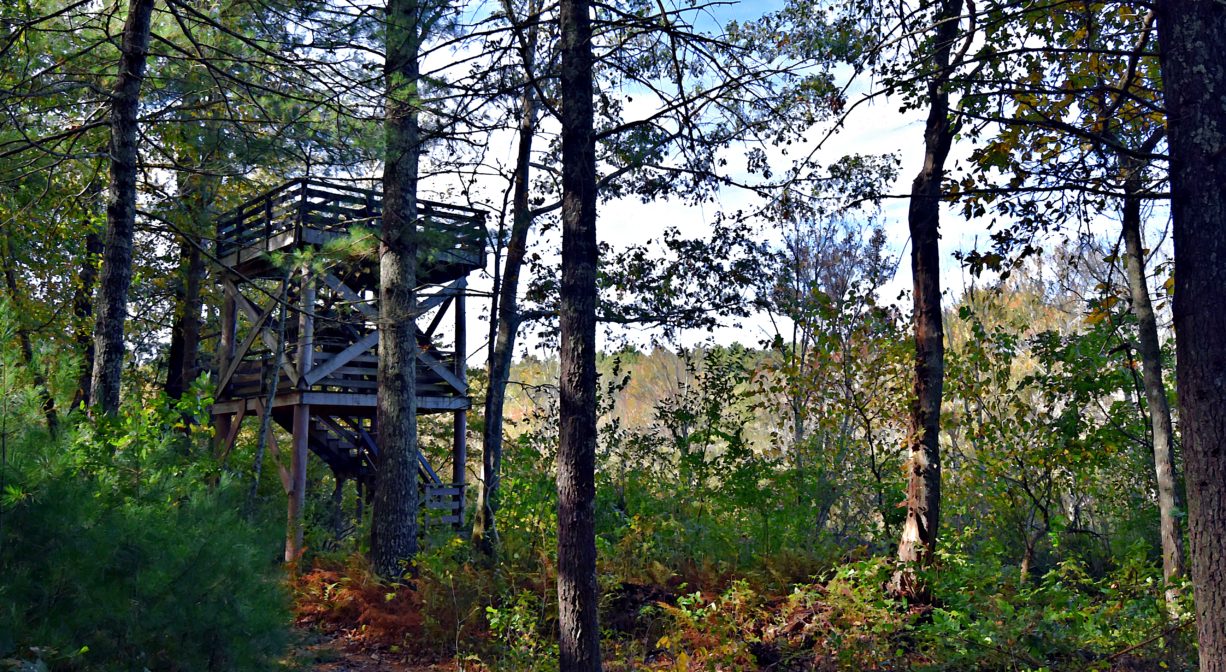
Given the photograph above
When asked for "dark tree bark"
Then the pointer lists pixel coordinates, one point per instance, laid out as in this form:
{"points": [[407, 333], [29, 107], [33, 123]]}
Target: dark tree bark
{"points": [[196, 193], [82, 312], [338, 507], [1192, 39], [116, 277], [1155, 394], [507, 319], [185, 332], [919, 535], [579, 649], [393, 538]]}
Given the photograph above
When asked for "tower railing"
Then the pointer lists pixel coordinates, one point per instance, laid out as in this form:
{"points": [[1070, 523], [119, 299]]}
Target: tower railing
{"points": [[309, 210]]}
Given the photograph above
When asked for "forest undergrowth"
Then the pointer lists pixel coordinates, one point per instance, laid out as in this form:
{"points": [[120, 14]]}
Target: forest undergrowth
{"points": [[704, 582], [130, 545], [788, 612]]}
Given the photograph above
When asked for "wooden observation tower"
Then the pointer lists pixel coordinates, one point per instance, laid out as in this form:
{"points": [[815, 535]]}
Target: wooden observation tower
{"points": [[323, 392]]}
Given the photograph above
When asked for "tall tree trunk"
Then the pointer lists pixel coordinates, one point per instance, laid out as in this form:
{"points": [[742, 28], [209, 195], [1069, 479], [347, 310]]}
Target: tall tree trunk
{"points": [[82, 312], [919, 535], [579, 649], [1155, 394], [112, 311], [1192, 39], [185, 332], [485, 534], [393, 537], [196, 193]]}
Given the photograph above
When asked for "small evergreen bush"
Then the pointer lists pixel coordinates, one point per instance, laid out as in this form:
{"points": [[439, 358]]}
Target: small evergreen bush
{"points": [[118, 554]]}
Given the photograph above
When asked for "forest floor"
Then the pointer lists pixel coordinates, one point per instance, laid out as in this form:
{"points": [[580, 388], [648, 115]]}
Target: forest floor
{"points": [[348, 621], [341, 652]]}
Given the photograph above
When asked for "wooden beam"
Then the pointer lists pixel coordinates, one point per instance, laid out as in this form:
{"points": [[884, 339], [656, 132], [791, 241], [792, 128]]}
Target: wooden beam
{"points": [[443, 403], [424, 466], [251, 403], [362, 305], [342, 358], [227, 444], [253, 314], [298, 483], [443, 294], [438, 318], [371, 313], [241, 352], [459, 427], [442, 372], [306, 324], [358, 400], [339, 399]]}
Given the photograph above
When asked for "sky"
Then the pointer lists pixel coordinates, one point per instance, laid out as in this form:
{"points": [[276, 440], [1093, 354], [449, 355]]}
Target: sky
{"points": [[877, 127], [873, 128]]}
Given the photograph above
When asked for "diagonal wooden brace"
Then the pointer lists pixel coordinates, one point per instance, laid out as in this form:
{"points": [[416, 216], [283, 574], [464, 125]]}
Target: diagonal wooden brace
{"points": [[443, 372], [342, 358], [253, 313]]}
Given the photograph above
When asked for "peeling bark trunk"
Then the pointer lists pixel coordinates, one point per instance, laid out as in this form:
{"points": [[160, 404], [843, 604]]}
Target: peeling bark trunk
{"points": [[579, 630], [1192, 39], [485, 534], [1023, 572], [1155, 395], [919, 535], [116, 277], [393, 536]]}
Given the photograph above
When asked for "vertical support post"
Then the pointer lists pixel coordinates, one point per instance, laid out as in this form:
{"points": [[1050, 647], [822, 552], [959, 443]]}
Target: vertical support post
{"points": [[302, 420], [222, 424], [297, 493], [459, 448], [306, 327]]}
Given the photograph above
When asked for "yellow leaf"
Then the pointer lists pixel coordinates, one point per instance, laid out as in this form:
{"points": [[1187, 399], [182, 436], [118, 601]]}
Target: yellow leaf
{"points": [[1096, 316]]}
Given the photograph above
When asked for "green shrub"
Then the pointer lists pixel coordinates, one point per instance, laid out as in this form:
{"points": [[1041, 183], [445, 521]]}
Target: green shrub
{"points": [[119, 555], [1067, 619]]}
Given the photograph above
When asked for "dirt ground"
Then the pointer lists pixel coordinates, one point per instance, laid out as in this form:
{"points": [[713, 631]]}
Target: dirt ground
{"points": [[323, 652]]}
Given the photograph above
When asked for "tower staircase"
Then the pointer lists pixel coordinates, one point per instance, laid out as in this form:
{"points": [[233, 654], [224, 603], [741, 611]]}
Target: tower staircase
{"points": [[299, 334]]}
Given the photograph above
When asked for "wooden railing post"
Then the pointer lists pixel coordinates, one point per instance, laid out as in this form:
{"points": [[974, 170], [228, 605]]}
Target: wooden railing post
{"points": [[302, 415]]}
